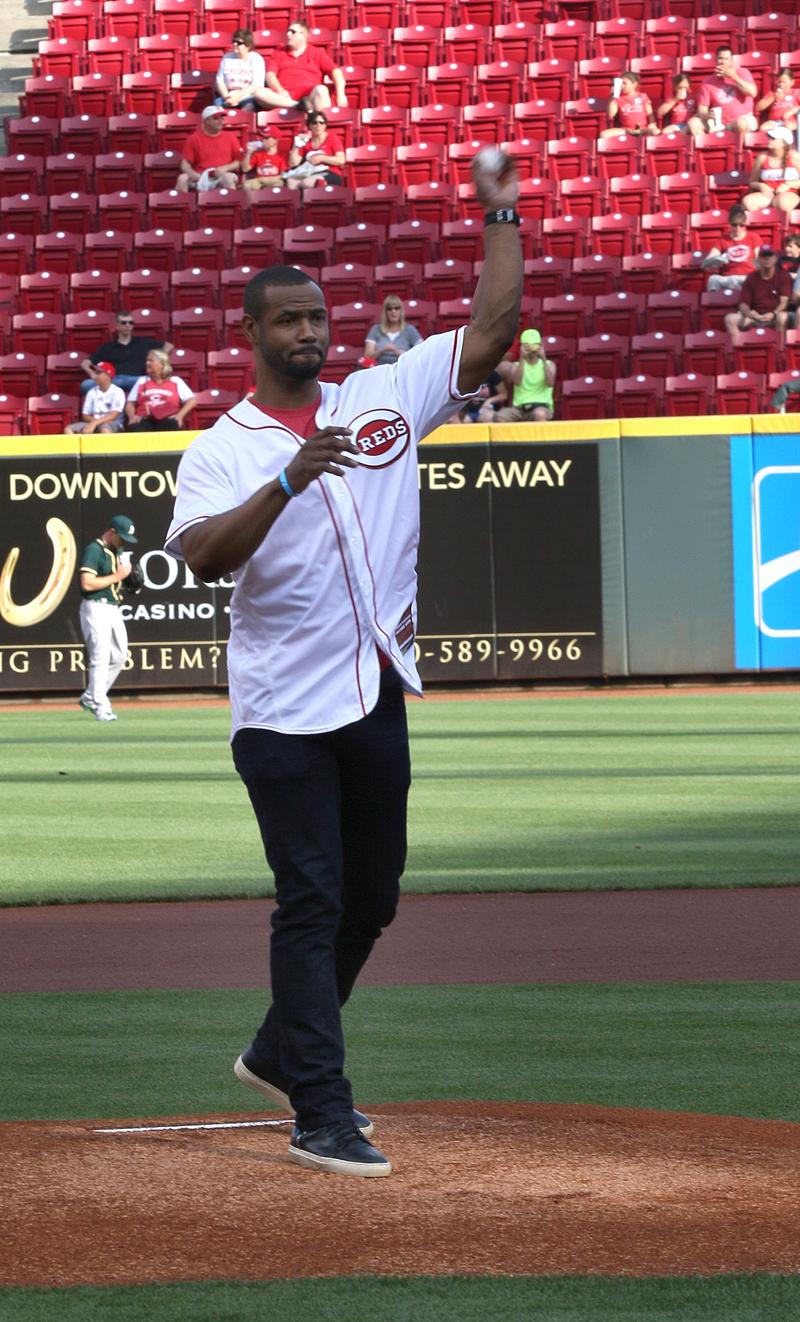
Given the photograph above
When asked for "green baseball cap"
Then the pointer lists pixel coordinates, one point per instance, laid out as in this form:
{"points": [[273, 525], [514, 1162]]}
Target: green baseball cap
{"points": [[530, 337], [124, 527]]}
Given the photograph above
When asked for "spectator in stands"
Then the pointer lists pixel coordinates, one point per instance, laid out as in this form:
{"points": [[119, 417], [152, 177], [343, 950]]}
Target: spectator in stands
{"points": [[104, 406], [629, 110], [726, 98], [775, 177], [241, 74], [316, 156], [731, 263], [764, 298], [679, 107], [299, 72], [127, 354], [211, 158], [779, 108], [264, 164], [158, 401], [533, 378], [483, 406], [391, 336]]}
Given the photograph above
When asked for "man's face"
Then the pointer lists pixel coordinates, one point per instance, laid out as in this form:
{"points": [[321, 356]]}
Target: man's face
{"points": [[628, 86], [738, 228], [766, 265], [213, 125], [292, 335], [125, 325], [725, 62], [114, 540], [295, 36]]}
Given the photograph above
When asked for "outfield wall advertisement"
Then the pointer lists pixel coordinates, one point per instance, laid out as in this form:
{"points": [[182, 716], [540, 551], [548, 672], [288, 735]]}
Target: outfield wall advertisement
{"points": [[509, 562]]}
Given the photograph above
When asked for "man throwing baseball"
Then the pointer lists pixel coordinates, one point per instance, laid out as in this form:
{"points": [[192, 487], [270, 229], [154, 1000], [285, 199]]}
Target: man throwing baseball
{"points": [[307, 494]]}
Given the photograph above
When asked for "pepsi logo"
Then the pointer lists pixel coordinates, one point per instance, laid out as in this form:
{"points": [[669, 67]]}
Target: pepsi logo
{"points": [[382, 436]]}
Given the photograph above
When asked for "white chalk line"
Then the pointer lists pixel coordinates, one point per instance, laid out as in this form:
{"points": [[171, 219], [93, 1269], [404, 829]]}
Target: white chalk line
{"points": [[221, 1124]]}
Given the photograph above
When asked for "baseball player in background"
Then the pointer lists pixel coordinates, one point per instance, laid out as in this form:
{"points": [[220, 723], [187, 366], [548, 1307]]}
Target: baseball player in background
{"points": [[103, 566], [307, 494]]}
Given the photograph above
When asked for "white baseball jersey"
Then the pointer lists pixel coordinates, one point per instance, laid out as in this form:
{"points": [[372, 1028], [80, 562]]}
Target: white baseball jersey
{"points": [[100, 402], [335, 577]]}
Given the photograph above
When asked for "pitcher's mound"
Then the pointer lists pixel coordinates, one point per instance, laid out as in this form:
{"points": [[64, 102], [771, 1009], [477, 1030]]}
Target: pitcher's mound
{"points": [[477, 1188]]}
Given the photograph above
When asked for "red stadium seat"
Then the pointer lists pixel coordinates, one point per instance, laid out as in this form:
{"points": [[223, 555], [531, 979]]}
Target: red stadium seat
{"points": [[174, 127], [206, 49], [257, 246], [225, 15], [620, 313], [664, 231], [666, 153], [308, 243], [433, 201], [121, 211], [145, 92], [421, 313], [49, 415], [669, 35], [656, 354], [603, 355], [32, 136], [585, 117], [488, 121], [144, 288], [518, 41], [25, 214], [583, 195], [84, 331], [708, 351], [38, 333], [645, 272], [22, 373], [47, 96], [13, 414], [210, 405], [118, 171], [548, 276], [620, 38], [449, 84], [569, 158], [94, 289], [596, 274], [192, 89], [460, 157], [421, 162], [178, 18], [62, 57], [595, 77], [715, 306], [59, 251], [673, 310], [538, 200], [567, 39], [402, 279], [542, 120], [378, 204], [189, 365], [152, 321], [690, 394], [756, 351], [345, 281], [158, 248], [418, 44], [552, 80], [777, 379], [231, 369], [114, 55], [707, 229], [64, 372], [585, 397], [331, 14], [682, 191], [631, 192], [638, 396], [371, 164], [161, 170], [452, 313], [21, 173], [448, 279], [351, 321], [342, 360], [387, 126], [399, 84], [276, 208], [716, 152], [194, 287], [162, 54], [223, 208], [501, 81], [126, 18], [232, 283], [740, 392], [686, 271], [724, 189], [211, 248], [466, 43], [433, 123], [43, 291], [568, 315], [172, 210], [413, 240], [619, 156], [565, 236], [366, 46], [462, 239], [74, 19], [771, 32], [615, 234], [132, 132]]}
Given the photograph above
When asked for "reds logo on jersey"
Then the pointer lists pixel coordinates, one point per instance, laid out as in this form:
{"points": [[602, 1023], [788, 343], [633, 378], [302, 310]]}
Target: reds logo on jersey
{"points": [[382, 436]]}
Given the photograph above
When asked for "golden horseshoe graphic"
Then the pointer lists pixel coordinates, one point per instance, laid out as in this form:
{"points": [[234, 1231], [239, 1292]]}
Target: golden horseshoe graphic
{"points": [[58, 580]]}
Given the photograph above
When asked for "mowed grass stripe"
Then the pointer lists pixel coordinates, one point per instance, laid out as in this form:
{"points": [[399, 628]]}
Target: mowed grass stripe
{"points": [[443, 1299], [719, 1048], [591, 793]]}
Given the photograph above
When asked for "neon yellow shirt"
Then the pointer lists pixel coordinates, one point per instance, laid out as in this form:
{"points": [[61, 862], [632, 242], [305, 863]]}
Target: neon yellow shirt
{"points": [[533, 388]]}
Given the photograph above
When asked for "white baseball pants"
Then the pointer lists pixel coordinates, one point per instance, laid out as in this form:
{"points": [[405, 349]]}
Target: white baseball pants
{"points": [[106, 640]]}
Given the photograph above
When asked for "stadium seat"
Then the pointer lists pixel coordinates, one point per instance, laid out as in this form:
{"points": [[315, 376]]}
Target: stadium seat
{"points": [[173, 128], [399, 85], [68, 172], [682, 191], [331, 14], [224, 208], [716, 152], [22, 173], [538, 200], [152, 321], [527, 154], [211, 247], [757, 64], [232, 283], [420, 163], [596, 274], [206, 49], [378, 204], [276, 208], [257, 246], [38, 333], [421, 313], [584, 195], [177, 18], [777, 379], [328, 206], [118, 171], [144, 288], [74, 19], [565, 236], [371, 164], [61, 56], [596, 76], [460, 156], [645, 272], [226, 15], [47, 96], [145, 92], [366, 46], [448, 279], [561, 350], [686, 271], [690, 394], [162, 54], [724, 189], [567, 39], [417, 44], [656, 73], [64, 372], [94, 289], [308, 243], [32, 135], [351, 321], [501, 81], [22, 373], [707, 229], [231, 369], [210, 405], [191, 366], [25, 214], [664, 232], [634, 193], [387, 126], [585, 397], [431, 123], [461, 239], [194, 287], [670, 35], [436, 12], [58, 251], [756, 351], [466, 43], [666, 153], [708, 351], [568, 315], [44, 291], [771, 32], [615, 234], [341, 361], [345, 282], [620, 156], [113, 55], [13, 414], [657, 353], [620, 313], [160, 170], [740, 392], [450, 84], [402, 279], [433, 202], [83, 331], [452, 313], [192, 89], [673, 310], [715, 306], [49, 415], [172, 210], [603, 355], [158, 248], [126, 18], [638, 396], [548, 276], [541, 119], [569, 158], [518, 41], [121, 211], [553, 80], [768, 226]]}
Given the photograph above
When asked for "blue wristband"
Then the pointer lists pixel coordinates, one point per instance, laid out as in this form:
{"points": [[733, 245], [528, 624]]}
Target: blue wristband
{"points": [[284, 481]]}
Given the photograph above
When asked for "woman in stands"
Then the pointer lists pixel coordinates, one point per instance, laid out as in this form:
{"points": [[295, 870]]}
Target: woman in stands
{"points": [[316, 157], [630, 110], [780, 107], [241, 74], [390, 337], [158, 401], [775, 177], [677, 110]]}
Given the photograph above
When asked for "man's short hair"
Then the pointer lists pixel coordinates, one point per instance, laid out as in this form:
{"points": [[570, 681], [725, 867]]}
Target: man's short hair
{"points": [[244, 35], [724, 47], [737, 214], [270, 277], [300, 23]]}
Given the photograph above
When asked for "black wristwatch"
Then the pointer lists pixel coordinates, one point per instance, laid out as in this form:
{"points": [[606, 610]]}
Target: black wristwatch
{"points": [[503, 216]]}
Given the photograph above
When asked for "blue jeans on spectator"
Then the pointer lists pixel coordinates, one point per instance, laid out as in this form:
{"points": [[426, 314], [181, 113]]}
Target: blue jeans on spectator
{"points": [[249, 104], [332, 813], [125, 383]]}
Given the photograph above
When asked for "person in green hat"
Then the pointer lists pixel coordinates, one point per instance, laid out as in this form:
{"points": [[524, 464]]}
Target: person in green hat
{"points": [[532, 377], [104, 565]]}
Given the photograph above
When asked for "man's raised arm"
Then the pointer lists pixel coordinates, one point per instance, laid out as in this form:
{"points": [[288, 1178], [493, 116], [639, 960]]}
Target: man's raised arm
{"points": [[495, 307]]}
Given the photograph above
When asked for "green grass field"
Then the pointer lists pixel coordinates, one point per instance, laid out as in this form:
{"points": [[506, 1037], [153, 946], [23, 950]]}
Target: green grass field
{"points": [[596, 792]]}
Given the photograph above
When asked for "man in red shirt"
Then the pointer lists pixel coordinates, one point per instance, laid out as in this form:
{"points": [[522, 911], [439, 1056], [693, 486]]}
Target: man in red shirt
{"points": [[735, 258], [726, 98], [764, 298], [629, 110], [210, 158], [299, 71]]}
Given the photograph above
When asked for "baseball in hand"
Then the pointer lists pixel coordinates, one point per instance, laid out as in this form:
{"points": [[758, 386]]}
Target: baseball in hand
{"points": [[495, 178]]}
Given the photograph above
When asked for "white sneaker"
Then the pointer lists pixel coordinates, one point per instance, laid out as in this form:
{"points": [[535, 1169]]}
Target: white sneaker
{"points": [[105, 716], [86, 703]]}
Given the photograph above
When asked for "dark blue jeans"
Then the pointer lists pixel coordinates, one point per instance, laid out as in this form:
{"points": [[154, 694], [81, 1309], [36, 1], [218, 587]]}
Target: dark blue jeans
{"points": [[332, 813]]}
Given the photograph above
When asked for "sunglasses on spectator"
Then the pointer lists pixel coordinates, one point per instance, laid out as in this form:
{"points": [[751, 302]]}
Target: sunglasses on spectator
{"points": [[291, 31], [125, 321]]}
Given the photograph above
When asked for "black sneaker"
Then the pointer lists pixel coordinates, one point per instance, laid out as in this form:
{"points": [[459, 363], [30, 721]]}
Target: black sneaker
{"points": [[340, 1149], [248, 1070]]}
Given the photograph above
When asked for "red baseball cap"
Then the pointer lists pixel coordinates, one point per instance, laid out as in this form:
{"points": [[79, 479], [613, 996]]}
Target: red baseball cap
{"points": [[106, 367]]}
